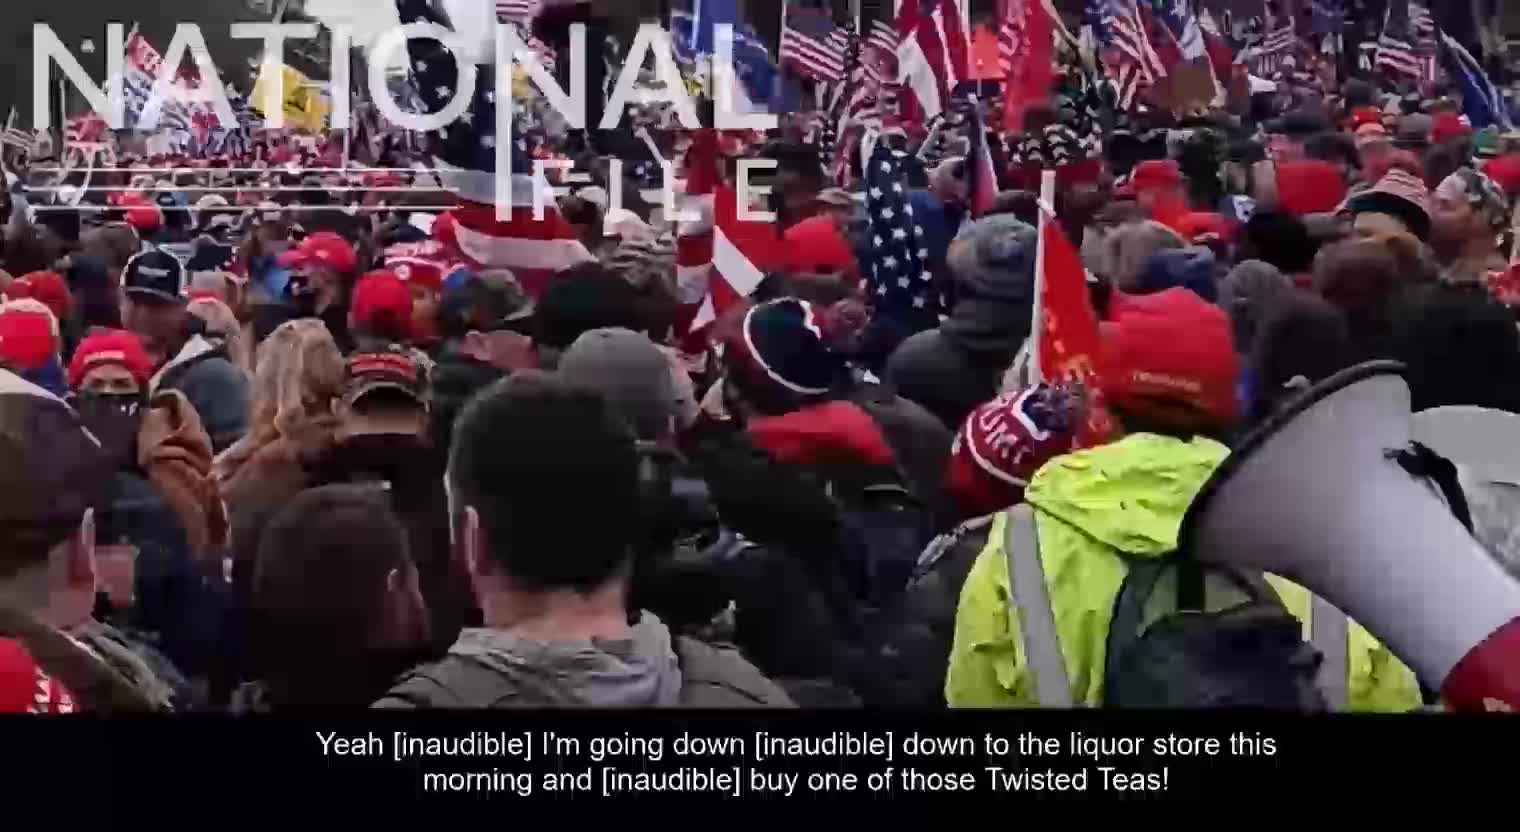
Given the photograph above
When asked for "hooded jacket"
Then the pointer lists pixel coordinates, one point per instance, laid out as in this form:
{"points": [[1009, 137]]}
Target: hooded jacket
{"points": [[952, 369], [1093, 509], [209, 380], [174, 451], [492, 669]]}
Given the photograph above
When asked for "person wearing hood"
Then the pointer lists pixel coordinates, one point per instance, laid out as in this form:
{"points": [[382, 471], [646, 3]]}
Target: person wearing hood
{"points": [[1099, 510], [558, 631], [952, 369], [1468, 218], [160, 534], [154, 308], [337, 608]]}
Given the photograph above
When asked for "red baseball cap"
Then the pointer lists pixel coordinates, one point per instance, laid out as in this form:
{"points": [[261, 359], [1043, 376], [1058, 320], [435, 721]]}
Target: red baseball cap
{"points": [[323, 248], [1152, 174], [111, 346], [1197, 226], [1447, 126], [48, 287], [28, 335], [1170, 356], [145, 217], [425, 263], [381, 298]]}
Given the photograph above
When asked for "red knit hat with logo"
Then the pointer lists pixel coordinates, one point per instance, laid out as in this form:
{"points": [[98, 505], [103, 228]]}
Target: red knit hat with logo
{"points": [[1005, 441], [108, 347]]}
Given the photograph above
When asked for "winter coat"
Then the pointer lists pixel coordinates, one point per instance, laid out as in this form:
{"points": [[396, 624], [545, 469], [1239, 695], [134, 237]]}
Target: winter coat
{"points": [[493, 669], [175, 452], [176, 604], [1093, 510], [216, 387], [951, 370]]}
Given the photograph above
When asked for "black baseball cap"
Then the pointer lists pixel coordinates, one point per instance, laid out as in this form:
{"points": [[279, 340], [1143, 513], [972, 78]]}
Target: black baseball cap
{"points": [[155, 274]]}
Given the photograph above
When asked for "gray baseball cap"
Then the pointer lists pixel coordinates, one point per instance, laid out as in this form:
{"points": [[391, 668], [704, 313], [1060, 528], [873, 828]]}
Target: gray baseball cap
{"points": [[630, 372]]}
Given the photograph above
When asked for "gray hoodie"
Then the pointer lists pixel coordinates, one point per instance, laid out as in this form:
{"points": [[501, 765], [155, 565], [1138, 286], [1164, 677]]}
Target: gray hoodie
{"points": [[492, 669]]}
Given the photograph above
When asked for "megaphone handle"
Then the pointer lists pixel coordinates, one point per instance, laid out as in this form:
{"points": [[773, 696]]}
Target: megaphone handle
{"points": [[1488, 677]]}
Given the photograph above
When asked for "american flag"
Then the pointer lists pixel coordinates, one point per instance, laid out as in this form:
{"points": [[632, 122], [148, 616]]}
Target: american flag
{"points": [[1282, 37], [1129, 58], [720, 258], [878, 55], [813, 45], [465, 154], [1396, 51], [899, 282], [517, 11]]}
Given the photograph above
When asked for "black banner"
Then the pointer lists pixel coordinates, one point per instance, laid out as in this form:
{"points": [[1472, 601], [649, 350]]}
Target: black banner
{"points": [[379, 758]]}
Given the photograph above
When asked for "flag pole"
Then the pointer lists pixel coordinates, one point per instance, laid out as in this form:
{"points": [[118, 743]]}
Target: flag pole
{"points": [[1047, 215]]}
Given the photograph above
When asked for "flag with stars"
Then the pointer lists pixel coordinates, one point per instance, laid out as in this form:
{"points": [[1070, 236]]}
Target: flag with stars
{"points": [[464, 152], [899, 280]]}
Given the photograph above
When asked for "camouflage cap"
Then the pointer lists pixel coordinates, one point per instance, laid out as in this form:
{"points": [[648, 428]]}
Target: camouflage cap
{"points": [[51, 470]]}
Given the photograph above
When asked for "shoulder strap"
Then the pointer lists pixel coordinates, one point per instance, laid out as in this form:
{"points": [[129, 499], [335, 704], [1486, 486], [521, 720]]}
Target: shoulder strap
{"points": [[1029, 603], [1328, 629]]}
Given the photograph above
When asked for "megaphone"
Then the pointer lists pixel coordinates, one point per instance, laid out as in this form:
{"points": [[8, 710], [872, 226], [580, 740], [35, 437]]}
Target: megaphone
{"points": [[1483, 441], [1317, 495]]}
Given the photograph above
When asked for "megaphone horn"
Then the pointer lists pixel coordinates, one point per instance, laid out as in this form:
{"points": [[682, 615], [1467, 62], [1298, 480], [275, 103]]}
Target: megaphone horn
{"points": [[1315, 495]]}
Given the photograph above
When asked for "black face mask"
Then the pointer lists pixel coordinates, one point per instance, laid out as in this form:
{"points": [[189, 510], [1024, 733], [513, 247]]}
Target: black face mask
{"points": [[114, 419]]}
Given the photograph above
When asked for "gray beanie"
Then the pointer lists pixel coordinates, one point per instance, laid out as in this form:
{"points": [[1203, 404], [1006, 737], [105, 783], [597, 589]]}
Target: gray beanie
{"points": [[628, 370], [1247, 294], [994, 258]]}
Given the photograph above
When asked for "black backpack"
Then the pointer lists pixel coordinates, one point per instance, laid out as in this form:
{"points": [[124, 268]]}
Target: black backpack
{"points": [[1182, 635]]}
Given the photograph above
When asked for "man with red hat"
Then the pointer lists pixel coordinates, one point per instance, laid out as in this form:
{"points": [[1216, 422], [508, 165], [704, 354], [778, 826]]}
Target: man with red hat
{"points": [[324, 266], [1157, 185]]}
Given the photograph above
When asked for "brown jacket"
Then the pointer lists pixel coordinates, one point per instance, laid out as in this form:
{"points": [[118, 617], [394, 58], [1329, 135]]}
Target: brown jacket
{"points": [[175, 451]]}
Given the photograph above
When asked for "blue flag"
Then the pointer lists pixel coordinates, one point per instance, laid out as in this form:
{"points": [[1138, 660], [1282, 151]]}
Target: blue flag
{"points": [[1481, 100]]}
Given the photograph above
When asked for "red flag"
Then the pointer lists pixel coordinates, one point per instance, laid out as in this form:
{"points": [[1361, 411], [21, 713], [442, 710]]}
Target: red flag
{"points": [[1025, 42], [1069, 342]]}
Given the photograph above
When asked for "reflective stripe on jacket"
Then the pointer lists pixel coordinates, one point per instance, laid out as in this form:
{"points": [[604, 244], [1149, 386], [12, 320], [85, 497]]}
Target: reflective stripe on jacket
{"points": [[1127, 497]]}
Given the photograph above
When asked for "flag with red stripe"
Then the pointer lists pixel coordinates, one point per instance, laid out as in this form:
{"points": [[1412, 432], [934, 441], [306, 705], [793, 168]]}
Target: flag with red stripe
{"points": [[932, 53], [813, 46]]}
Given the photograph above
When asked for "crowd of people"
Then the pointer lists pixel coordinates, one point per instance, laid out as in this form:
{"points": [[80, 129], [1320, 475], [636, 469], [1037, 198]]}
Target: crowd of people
{"points": [[265, 448]]}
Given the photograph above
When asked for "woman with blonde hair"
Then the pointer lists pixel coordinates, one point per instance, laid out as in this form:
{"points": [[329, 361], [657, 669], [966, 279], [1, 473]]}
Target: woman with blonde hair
{"points": [[299, 374]]}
